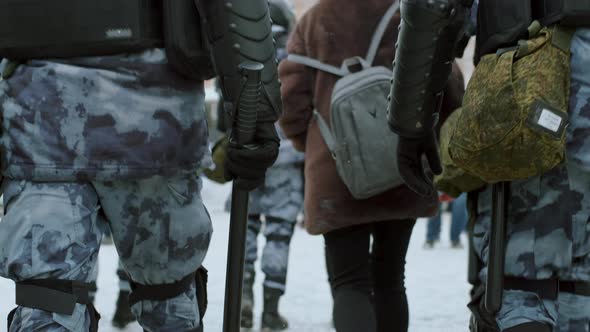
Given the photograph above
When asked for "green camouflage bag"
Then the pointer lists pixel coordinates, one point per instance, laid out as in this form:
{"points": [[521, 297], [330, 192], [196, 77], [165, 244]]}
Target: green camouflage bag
{"points": [[453, 180], [514, 115], [217, 172]]}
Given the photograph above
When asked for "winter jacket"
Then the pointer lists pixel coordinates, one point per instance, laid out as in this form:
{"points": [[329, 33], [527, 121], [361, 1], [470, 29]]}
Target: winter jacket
{"points": [[332, 31]]}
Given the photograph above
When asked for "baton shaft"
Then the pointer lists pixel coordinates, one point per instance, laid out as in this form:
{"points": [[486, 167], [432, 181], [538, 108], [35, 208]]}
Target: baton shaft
{"points": [[235, 262], [497, 248]]}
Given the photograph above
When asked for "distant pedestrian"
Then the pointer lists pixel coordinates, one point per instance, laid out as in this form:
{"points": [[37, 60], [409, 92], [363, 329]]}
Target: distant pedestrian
{"points": [[458, 210]]}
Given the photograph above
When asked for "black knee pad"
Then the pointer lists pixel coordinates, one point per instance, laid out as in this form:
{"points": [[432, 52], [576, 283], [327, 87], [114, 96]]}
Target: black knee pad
{"points": [[162, 292], [55, 295], [530, 327]]}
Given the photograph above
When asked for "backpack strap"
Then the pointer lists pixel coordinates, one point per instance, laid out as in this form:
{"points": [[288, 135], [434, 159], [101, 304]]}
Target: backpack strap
{"points": [[326, 134], [380, 31], [313, 63], [366, 63]]}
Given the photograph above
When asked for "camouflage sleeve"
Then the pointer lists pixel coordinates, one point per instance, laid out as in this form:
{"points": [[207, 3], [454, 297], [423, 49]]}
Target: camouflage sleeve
{"points": [[241, 31]]}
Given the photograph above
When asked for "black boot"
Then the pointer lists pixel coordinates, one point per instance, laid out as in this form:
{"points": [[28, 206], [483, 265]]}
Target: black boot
{"points": [[247, 320], [123, 315], [271, 319], [530, 327]]}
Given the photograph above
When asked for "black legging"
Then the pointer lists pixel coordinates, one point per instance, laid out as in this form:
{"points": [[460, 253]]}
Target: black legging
{"points": [[368, 286]]}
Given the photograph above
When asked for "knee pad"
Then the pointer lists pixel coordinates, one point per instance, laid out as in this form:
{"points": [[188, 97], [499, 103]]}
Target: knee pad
{"points": [[530, 327], [163, 292], [55, 295]]}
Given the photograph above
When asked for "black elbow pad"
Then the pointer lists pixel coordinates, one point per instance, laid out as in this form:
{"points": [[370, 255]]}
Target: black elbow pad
{"points": [[430, 33], [241, 31]]}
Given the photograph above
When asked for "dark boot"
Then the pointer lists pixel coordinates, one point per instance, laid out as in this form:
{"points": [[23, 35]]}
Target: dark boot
{"points": [[271, 319], [247, 320], [123, 315], [530, 327]]}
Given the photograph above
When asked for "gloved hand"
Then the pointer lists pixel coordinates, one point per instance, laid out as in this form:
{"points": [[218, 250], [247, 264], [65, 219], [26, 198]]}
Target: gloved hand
{"points": [[411, 168], [247, 165]]}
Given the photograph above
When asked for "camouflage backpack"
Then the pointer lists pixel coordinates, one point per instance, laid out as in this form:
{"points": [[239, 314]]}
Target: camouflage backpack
{"points": [[453, 180], [358, 137], [513, 122]]}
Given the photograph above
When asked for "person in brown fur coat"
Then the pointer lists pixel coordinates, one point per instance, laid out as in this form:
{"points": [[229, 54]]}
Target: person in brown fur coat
{"points": [[367, 283]]}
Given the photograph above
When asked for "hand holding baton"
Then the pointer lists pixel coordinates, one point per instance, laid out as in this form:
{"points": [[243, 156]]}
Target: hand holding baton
{"points": [[243, 132]]}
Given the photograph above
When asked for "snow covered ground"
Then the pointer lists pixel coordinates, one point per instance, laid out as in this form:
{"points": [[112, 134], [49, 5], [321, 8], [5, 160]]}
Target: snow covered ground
{"points": [[435, 279]]}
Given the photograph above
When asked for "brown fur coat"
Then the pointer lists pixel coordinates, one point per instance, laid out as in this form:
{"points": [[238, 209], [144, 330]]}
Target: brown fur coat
{"points": [[332, 31]]}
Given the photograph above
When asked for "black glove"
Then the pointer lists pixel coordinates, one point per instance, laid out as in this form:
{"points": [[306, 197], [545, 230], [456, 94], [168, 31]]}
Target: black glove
{"points": [[411, 167], [247, 165]]}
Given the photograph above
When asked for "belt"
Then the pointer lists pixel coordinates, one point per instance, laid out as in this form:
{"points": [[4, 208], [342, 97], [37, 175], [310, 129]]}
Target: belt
{"points": [[547, 288]]}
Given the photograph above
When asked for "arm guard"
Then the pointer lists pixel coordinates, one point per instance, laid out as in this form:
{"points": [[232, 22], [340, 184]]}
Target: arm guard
{"points": [[431, 35], [239, 31]]}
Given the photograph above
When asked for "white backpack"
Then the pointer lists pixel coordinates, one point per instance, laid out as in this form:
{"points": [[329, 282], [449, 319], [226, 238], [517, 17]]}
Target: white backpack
{"points": [[359, 137]]}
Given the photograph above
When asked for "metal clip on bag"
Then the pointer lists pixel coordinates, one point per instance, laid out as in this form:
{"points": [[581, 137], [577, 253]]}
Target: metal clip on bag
{"points": [[514, 117]]}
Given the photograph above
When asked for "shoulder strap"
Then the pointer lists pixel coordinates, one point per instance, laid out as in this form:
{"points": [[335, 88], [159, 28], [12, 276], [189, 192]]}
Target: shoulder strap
{"points": [[375, 42], [326, 134], [313, 63], [380, 31]]}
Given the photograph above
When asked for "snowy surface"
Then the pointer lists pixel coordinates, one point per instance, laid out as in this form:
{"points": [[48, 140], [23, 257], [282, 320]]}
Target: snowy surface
{"points": [[435, 279]]}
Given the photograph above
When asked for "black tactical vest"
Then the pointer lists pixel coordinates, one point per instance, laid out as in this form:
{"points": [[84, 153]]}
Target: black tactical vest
{"points": [[501, 23], [38, 29]]}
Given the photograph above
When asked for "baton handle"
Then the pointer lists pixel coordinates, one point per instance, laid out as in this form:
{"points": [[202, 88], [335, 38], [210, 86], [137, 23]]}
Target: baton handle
{"points": [[248, 102]]}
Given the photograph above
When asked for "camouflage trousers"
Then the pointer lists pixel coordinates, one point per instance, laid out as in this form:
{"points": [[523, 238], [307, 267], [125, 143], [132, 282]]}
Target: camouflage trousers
{"points": [[275, 255], [548, 231], [53, 230], [280, 200]]}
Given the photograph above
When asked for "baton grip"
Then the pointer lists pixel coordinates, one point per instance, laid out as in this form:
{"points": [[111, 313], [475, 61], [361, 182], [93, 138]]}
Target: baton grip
{"points": [[248, 102]]}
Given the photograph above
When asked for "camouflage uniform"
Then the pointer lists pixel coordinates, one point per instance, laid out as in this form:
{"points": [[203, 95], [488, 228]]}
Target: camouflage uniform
{"points": [[120, 133], [280, 200], [548, 234]]}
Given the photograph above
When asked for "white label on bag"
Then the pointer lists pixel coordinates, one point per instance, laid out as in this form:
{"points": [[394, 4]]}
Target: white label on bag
{"points": [[550, 120]]}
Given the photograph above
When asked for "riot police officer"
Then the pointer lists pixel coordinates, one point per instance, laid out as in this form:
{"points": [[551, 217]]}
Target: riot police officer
{"points": [[547, 255], [122, 131]]}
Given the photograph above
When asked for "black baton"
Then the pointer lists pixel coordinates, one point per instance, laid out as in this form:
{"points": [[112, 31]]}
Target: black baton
{"points": [[242, 135], [497, 247]]}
